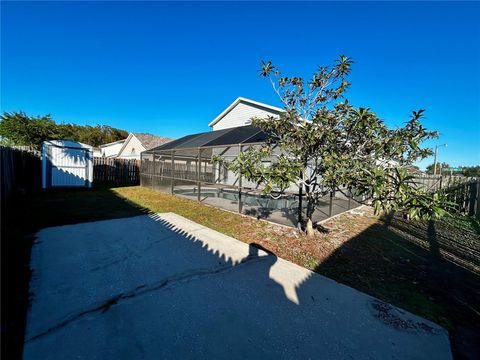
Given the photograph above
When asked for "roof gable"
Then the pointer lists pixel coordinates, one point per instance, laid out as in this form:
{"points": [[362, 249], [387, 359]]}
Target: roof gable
{"points": [[248, 102], [148, 141]]}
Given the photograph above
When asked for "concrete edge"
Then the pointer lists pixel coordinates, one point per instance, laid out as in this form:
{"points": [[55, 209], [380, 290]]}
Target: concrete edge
{"points": [[175, 217]]}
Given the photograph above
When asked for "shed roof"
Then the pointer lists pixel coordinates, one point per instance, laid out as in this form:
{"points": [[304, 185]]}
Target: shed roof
{"points": [[239, 135], [68, 144]]}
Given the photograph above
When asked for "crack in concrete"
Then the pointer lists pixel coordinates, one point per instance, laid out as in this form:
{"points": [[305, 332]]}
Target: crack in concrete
{"points": [[145, 289], [131, 253], [104, 266]]}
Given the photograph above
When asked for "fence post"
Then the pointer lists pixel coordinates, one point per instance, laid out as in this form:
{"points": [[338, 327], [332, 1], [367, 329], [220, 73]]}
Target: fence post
{"points": [[349, 199], [172, 173], [477, 211], [300, 205], [472, 196], [240, 205], [199, 169], [153, 174], [330, 206]]}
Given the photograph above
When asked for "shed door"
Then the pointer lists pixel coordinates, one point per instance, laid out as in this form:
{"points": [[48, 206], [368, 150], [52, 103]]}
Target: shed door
{"points": [[69, 166]]}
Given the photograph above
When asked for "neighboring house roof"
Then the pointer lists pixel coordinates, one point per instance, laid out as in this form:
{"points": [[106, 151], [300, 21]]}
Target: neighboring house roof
{"points": [[113, 143], [246, 101], [413, 170], [148, 141]]}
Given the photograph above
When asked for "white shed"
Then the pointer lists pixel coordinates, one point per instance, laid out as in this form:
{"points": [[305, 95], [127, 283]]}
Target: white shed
{"points": [[66, 163]]}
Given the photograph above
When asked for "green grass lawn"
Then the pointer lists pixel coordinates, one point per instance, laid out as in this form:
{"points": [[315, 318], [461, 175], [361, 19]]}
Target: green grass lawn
{"points": [[430, 269]]}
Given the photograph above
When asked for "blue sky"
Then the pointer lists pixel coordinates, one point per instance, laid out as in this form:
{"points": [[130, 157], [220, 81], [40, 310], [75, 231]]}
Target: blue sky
{"points": [[170, 68]]}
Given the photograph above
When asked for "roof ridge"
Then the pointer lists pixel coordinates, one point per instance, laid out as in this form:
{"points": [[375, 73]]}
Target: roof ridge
{"points": [[238, 101]]}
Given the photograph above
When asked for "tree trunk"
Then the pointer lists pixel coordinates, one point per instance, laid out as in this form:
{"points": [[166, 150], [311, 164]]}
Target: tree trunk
{"points": [[310, 208], [309, 229]]}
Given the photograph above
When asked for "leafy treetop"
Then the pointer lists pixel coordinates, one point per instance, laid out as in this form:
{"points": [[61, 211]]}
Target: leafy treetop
{"points": [[18, 128], [324, 144]]}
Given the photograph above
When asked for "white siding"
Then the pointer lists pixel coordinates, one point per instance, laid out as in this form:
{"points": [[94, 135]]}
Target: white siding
{"points": [[66, 163], [241, 115], [132, 149], [111, 150]]}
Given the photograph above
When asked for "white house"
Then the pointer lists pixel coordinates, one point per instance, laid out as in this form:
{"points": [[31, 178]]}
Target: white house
{"points": [[240, 112], [135, 143], [111, 149], [230, 127], [97, 152]]}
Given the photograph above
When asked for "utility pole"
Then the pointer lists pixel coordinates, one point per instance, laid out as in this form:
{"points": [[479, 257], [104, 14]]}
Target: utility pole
{"points": [[435, 161]]}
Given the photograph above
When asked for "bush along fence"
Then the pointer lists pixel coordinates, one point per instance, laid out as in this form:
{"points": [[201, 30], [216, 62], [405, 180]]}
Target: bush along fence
{"points": [[116, 171], [462, 191]]}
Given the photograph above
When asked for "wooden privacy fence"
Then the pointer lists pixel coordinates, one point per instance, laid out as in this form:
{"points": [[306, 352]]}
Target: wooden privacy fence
{"points": [[116, 171], [464, 192], [436, 183], [466, 197], [19, 170], [181, 171]]}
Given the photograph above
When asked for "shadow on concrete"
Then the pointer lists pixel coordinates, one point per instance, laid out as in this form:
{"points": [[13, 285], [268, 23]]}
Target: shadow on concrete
{"points": [[279, 311], [412, 265], [152, 288], [23, 215]]}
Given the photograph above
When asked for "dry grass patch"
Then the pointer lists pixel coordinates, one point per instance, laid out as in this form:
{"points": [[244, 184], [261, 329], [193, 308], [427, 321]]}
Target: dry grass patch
{"points": [[286, 242]]}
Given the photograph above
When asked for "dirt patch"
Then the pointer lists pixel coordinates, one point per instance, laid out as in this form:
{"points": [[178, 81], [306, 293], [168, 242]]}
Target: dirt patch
{"points": [[393, 317]]}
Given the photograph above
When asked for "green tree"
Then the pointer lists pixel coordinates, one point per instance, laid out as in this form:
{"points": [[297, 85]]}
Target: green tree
{"points": [[323, 143], [471, 171], [20, 129], [17, 128]]}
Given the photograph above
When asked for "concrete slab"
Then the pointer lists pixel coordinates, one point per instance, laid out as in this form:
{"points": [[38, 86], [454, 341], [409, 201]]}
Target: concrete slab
{"points": [[163, 287]]}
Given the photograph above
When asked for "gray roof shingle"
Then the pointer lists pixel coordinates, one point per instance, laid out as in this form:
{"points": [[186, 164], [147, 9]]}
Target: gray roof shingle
{"points": [[150, 141]]}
